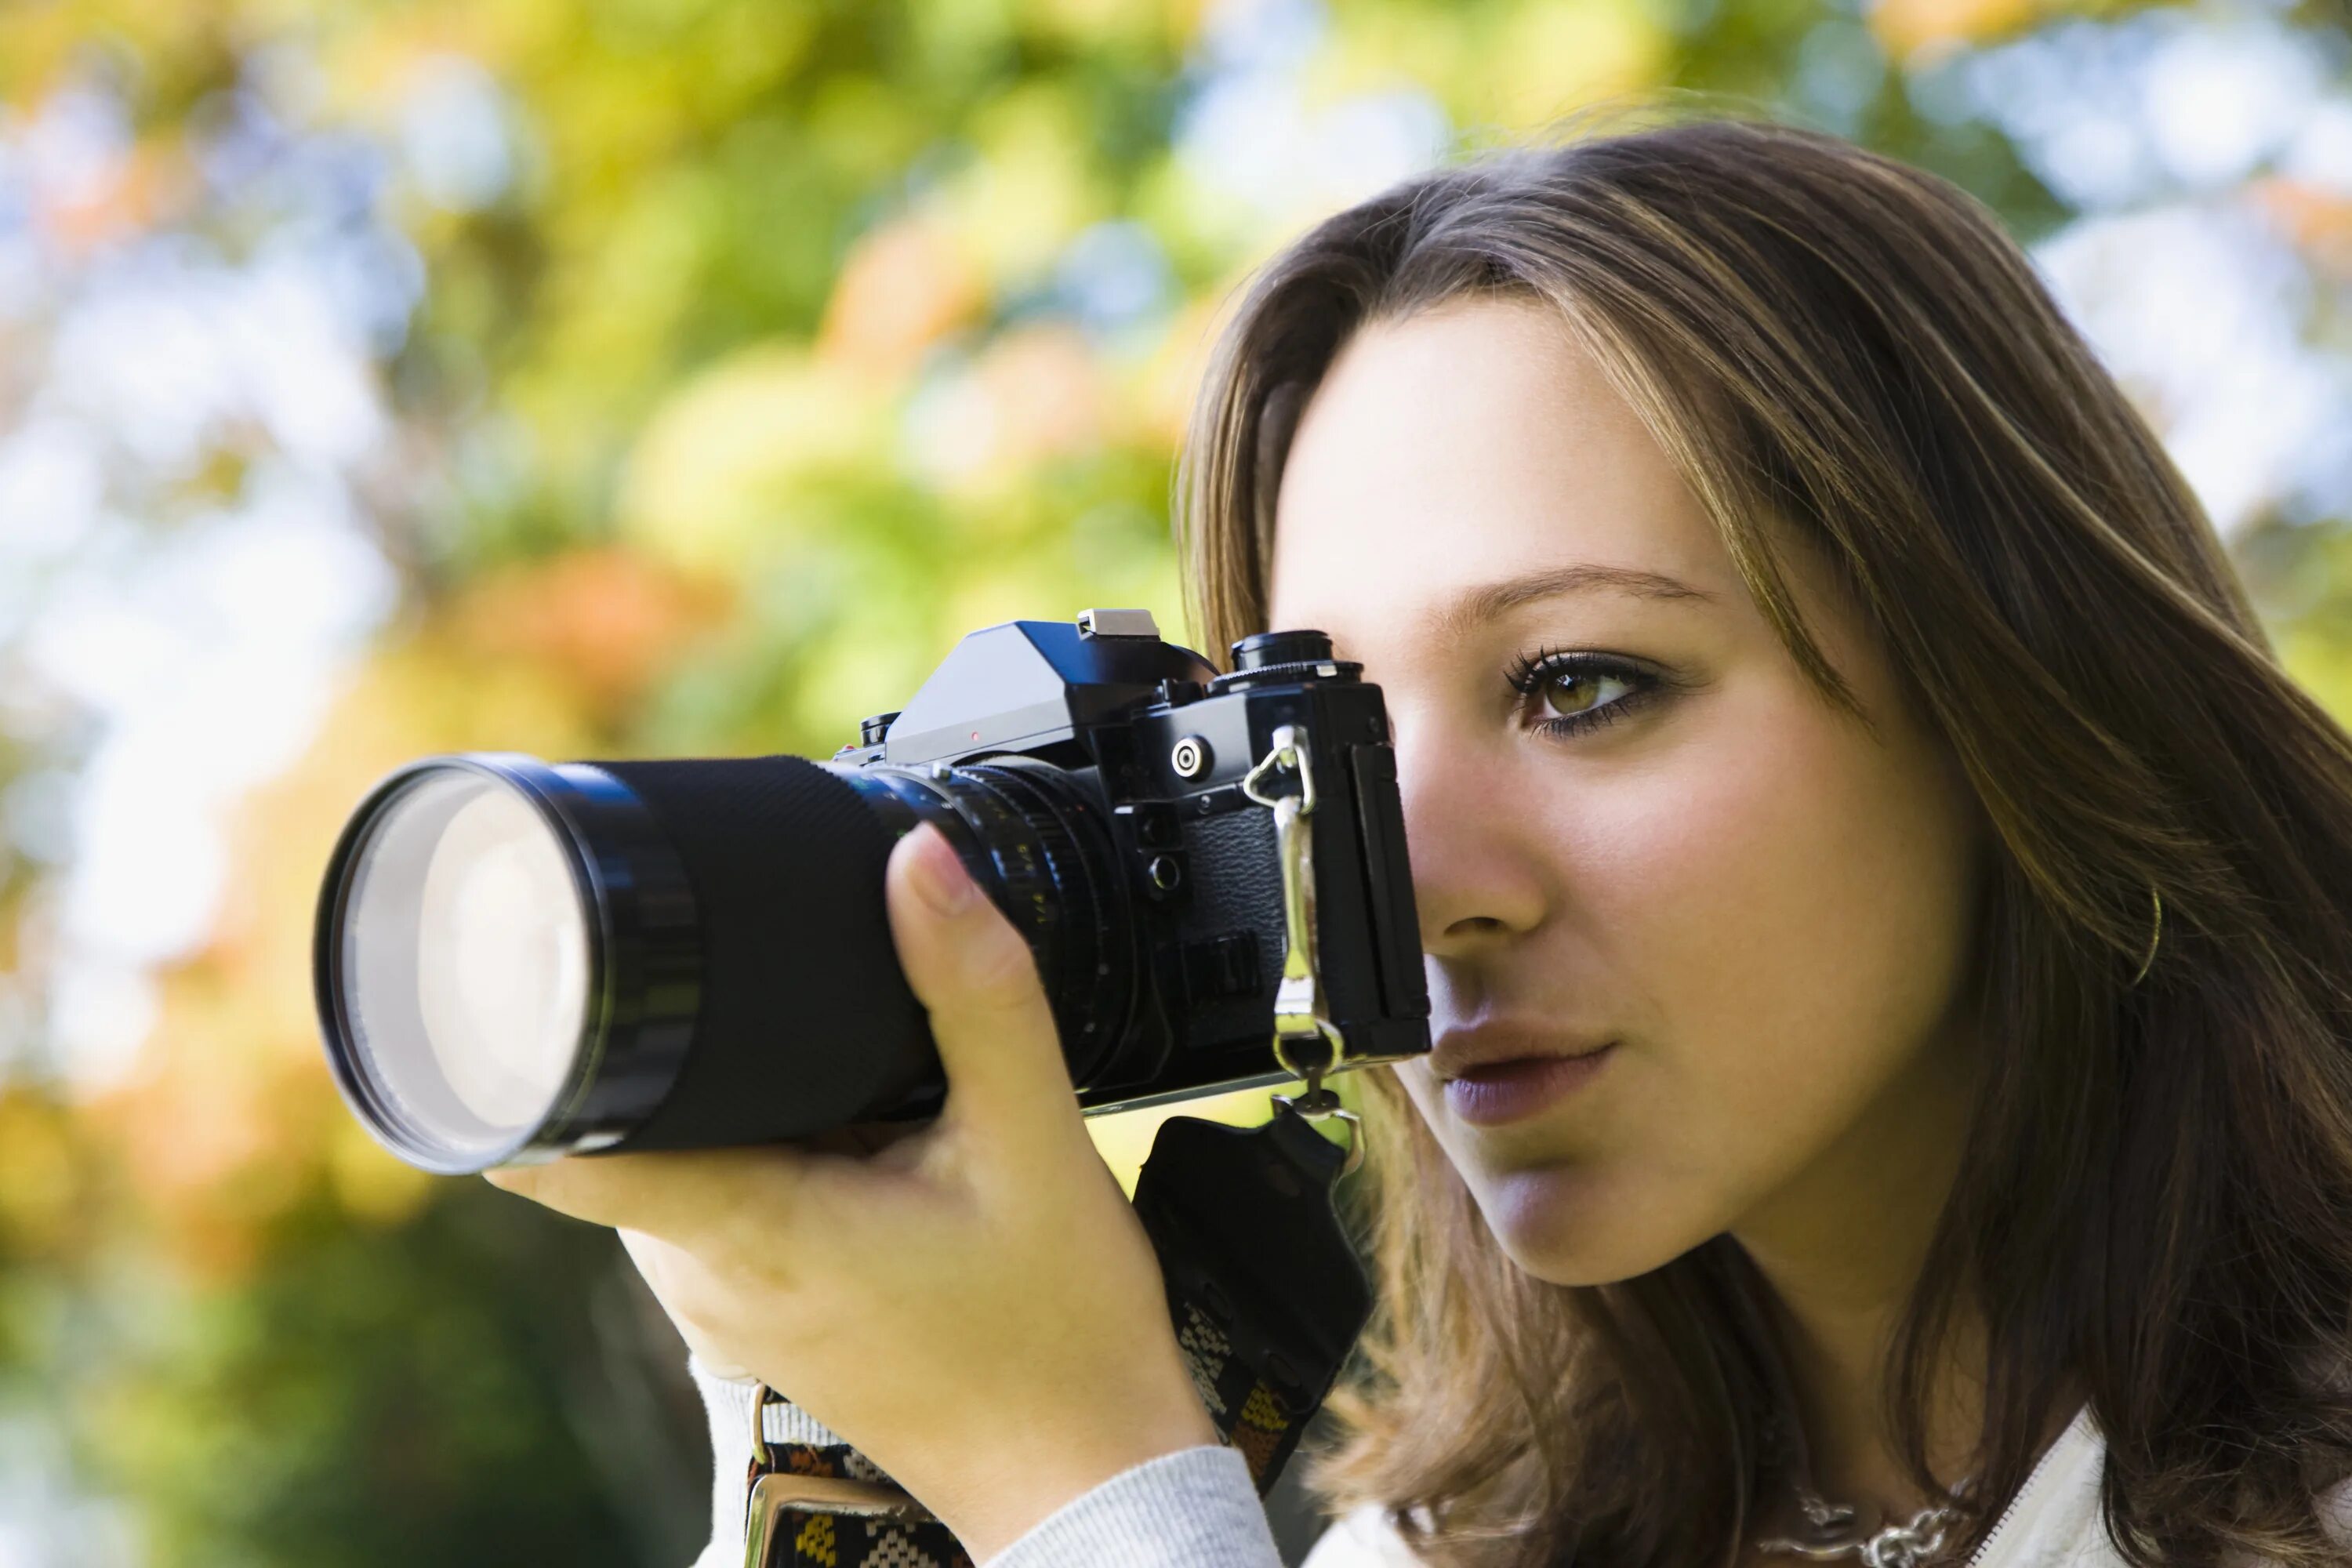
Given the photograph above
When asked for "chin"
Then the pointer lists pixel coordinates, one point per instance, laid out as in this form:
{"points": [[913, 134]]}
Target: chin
{"points": [[1565, 1225]]}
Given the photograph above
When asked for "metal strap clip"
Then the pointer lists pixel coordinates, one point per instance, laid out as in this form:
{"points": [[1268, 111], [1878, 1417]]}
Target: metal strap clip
{"points": [[1299, 1015]]}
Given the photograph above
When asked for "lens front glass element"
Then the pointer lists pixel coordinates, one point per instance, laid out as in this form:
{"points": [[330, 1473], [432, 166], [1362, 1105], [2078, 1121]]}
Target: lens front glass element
{"points": [[464, 961]]}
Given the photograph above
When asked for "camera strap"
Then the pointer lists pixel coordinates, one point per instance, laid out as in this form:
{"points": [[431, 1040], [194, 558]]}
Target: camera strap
{"points": [[1263, 1284], [1266, 1294]]}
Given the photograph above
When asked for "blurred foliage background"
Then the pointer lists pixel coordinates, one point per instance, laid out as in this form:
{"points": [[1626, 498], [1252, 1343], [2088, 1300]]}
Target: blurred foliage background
{"points": [[683, 375]]}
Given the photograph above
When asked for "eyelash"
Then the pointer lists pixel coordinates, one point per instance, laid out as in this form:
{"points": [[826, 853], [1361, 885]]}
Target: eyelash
{"points": [[1531, 673]]}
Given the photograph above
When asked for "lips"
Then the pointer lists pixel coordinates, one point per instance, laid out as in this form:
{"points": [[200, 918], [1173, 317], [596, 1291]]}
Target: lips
{"points": [[1463, 1052], [1515, 1091]]}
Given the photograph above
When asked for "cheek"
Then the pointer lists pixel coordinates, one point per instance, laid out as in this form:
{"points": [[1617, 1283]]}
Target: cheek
{"points": [[1790, 881], [1772, 912]]}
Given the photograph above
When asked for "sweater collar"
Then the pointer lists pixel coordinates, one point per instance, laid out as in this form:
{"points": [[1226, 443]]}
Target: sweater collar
{"points": [[2055, 1513]]}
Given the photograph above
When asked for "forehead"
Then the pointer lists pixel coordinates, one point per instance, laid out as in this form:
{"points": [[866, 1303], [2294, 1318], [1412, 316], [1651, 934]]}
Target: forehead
{"points": [[1461, 447]]}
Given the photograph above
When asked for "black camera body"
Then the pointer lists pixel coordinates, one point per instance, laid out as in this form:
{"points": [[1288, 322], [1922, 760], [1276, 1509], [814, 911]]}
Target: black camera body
{"points": [[519, 959], [1159, 744]]}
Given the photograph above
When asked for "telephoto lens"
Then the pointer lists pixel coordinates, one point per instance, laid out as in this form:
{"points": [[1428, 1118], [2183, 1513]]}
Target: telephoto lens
{"points": [[519, 959]]}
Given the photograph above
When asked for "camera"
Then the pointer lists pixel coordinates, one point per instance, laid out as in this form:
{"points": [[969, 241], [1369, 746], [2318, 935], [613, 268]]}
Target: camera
{"points": [[520, 960]]}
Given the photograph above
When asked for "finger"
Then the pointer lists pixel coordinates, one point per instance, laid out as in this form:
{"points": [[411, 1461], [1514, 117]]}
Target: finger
{"points": [[675, 1195], [966, 964]]}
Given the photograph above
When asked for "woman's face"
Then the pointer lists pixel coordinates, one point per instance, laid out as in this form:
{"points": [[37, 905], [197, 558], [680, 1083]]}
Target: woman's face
{"points": [[1669, 843]]}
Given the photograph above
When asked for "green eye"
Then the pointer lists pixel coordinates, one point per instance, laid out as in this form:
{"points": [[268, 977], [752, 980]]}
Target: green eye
{"points": [[1568, 691], [1575, 693]]}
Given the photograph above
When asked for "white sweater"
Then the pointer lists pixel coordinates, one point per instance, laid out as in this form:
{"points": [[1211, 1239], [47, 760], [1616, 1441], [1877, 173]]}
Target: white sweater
{"points": [[1198, 1509]]}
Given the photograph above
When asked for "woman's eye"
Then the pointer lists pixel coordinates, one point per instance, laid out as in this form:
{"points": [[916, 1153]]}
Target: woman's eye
{"points": [[1574, 693], [1569, 693]]}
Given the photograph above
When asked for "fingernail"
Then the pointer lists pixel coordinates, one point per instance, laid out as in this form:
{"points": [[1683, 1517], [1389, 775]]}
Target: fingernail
{"points": [[938, 875]]}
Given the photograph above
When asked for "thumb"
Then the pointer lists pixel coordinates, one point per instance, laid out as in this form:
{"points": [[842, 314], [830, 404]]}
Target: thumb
{"points": [[966, 964]]}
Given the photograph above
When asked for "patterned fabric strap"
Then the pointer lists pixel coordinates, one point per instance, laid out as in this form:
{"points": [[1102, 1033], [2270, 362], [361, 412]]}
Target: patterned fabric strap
{"points": [[841, 1539], [1263, 1286], [1252, 1414]]}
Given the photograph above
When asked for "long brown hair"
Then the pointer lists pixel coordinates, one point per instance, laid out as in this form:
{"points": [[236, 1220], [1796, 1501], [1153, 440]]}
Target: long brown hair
{"points": [[2155, 1202]]}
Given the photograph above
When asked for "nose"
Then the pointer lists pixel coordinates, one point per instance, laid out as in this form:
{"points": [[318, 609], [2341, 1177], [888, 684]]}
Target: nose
{"points": [[1478, 865]]}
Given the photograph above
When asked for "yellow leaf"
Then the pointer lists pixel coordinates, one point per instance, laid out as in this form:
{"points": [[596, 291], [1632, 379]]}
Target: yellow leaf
{"points": [[713, 480]]}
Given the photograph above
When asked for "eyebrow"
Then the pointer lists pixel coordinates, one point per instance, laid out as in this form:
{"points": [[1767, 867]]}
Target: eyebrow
{"points": [[1474, 608]]}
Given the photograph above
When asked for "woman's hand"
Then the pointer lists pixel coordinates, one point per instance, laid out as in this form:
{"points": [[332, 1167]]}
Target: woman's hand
{"points": [[973, 1304]]}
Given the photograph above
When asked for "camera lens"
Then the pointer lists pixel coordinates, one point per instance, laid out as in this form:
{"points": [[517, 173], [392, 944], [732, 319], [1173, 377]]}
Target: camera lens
{"points": [[520, 960], [508, 962], [465, 953]]}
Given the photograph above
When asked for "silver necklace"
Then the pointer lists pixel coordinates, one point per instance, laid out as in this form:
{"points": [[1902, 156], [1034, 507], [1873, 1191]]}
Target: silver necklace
{"points": [[1830, 1534], [1830, 1531]]}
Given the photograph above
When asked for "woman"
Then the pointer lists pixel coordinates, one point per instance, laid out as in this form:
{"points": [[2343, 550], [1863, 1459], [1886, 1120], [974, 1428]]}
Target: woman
{"points": [[1820, 707]]}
